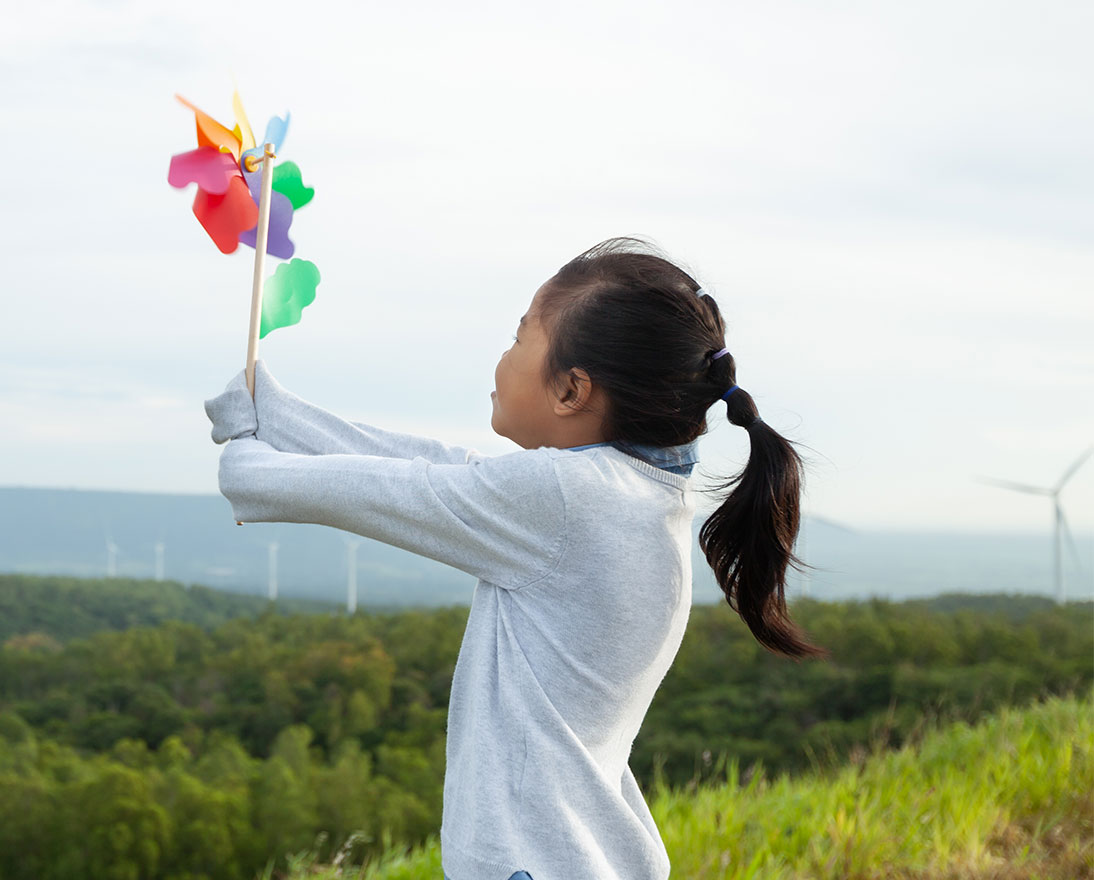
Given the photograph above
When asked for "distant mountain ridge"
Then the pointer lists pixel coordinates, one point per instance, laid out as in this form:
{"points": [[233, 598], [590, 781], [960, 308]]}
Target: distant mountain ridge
{"points": [[65, 531]]}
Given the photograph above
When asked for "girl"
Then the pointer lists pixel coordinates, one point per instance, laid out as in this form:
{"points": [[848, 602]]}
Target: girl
{"points": [[580, 543]]}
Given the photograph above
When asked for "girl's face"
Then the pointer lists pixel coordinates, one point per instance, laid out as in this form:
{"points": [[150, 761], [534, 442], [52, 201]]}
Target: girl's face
{"points": [[524, 407]]}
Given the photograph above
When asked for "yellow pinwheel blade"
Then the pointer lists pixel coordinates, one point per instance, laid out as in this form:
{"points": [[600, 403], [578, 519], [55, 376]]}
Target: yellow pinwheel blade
{"points": [[243, 127]]}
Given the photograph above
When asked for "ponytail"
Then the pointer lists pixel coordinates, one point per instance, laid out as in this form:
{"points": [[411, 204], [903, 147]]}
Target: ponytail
{"points": [[654, 340], [749, 539]]}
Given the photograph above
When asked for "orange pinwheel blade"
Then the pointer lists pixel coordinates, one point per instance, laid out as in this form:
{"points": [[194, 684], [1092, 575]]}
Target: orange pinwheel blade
{"points": [[211, 133]]}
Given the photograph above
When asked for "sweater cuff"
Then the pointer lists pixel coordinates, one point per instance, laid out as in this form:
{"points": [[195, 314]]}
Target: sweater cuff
{"points": [[232, 412]]}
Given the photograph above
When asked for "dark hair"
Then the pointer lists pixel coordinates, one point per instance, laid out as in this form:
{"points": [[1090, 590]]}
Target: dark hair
{"points": [[630, 318]]}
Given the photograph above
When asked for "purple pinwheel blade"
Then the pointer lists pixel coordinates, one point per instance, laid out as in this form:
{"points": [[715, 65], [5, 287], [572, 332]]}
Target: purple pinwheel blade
{"points": [[277, 239], [278, 243]]}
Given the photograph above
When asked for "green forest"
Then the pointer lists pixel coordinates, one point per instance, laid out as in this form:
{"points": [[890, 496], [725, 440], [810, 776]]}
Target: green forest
{"points": [[153, 730]]}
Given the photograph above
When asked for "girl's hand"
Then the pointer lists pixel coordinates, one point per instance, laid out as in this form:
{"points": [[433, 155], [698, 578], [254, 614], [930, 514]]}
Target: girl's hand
{"points": [[233, 411]]}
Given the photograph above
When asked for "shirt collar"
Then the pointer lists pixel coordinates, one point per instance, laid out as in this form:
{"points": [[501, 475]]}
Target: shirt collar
{"points": [[675, 459]]}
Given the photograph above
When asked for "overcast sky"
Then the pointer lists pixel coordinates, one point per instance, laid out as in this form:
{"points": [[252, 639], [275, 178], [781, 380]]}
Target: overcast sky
{"points": [[892, 202]]}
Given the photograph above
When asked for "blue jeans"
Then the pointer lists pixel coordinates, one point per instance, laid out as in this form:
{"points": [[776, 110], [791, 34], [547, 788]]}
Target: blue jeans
{"points": [[520, 875]]}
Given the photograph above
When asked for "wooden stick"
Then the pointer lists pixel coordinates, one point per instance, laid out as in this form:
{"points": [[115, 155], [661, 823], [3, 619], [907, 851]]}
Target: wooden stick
{"points": [[260, 261]]}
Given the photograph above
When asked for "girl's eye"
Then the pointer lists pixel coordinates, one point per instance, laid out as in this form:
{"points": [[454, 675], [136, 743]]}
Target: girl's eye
{"points": [[515, 339]]}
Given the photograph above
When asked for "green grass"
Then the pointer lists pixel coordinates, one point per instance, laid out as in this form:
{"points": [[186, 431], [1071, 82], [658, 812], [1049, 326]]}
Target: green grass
{"points": [[1011, 797]]}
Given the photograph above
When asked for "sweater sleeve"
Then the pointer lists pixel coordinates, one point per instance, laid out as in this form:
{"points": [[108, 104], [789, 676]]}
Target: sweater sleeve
{"points": [[290, 424], [498, 518]]}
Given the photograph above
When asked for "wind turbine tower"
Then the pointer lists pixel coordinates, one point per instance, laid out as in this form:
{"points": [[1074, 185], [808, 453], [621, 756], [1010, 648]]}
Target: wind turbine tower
{"points": [[272, 571], [1060, 527], [351, 574], [111, 559], [801, 550], [160, 548]]}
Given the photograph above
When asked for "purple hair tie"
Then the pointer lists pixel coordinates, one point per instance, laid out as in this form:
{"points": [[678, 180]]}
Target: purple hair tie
{"points": [[715, 357]]}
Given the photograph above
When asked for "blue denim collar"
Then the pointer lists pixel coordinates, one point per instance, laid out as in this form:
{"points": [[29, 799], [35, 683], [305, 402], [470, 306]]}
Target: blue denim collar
{"points": [[674, 459]]}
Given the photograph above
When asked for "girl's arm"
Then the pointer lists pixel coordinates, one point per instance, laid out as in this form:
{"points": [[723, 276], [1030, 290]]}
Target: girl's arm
{"points": [[499, 518], [290, 424]]}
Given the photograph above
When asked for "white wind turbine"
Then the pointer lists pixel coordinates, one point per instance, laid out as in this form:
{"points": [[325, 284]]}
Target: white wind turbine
{"points": [[801, 546], [271, 558], [111, 559], [1060, 527], [111, 554], [160, 549], [351, 573]]}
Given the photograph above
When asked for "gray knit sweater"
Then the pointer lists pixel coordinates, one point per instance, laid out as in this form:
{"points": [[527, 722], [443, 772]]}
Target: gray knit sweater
{"points": [[583, 561]]}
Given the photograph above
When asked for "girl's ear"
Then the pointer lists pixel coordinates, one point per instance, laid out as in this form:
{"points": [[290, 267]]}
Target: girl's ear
{"points": [[574, 394]]}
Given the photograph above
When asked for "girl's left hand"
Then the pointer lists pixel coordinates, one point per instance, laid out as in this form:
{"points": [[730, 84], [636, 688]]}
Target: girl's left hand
{"points": [[233, 411]]}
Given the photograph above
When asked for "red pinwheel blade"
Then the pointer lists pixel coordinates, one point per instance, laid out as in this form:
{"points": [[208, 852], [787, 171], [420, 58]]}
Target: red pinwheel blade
{"points": [[226, 216]]}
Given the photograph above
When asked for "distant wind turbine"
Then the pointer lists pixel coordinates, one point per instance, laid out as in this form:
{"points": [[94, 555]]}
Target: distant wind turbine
{"points": [[1060, 522], [801, 551], [271, 557], [160, 548], [351, 577], [812, 517], [801, 545], [111, 553], [111, 559]]}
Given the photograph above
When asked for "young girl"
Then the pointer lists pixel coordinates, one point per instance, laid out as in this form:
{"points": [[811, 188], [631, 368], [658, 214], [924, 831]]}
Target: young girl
{"points": [[581, 543]]}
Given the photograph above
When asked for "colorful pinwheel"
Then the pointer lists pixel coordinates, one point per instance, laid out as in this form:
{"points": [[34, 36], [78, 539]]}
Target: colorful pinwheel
{"points": [[241, 197], [226, 203]]}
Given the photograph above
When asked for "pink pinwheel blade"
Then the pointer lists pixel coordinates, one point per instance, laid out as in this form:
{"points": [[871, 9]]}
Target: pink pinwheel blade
{"points": [[210, 169], [225, 216]]}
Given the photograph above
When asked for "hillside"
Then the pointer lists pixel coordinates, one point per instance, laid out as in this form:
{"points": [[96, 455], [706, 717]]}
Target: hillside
{"points": [[63, 608], [232, 742], [1008, 799]]}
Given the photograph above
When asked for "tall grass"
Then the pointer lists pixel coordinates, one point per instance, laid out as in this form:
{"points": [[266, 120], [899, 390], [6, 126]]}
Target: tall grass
{"points": [[1009, 798]]}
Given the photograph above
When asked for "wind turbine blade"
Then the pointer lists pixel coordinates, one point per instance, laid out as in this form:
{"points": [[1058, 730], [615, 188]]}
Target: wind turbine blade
{"points": [[1020, 487], [1070, 540], [828, 522], [1071, 470]]}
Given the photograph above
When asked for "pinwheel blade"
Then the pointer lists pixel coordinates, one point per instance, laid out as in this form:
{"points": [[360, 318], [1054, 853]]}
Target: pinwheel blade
{"points": [[278, 243], [212, 134], [275, 131], [210, 169], [243, 126], [291, 288], [226, 216], [288, 182]]}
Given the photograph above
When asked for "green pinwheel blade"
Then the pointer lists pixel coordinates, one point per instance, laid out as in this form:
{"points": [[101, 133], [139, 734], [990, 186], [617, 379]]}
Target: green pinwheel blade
{"points": [[288, 182], [287, 292]]}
